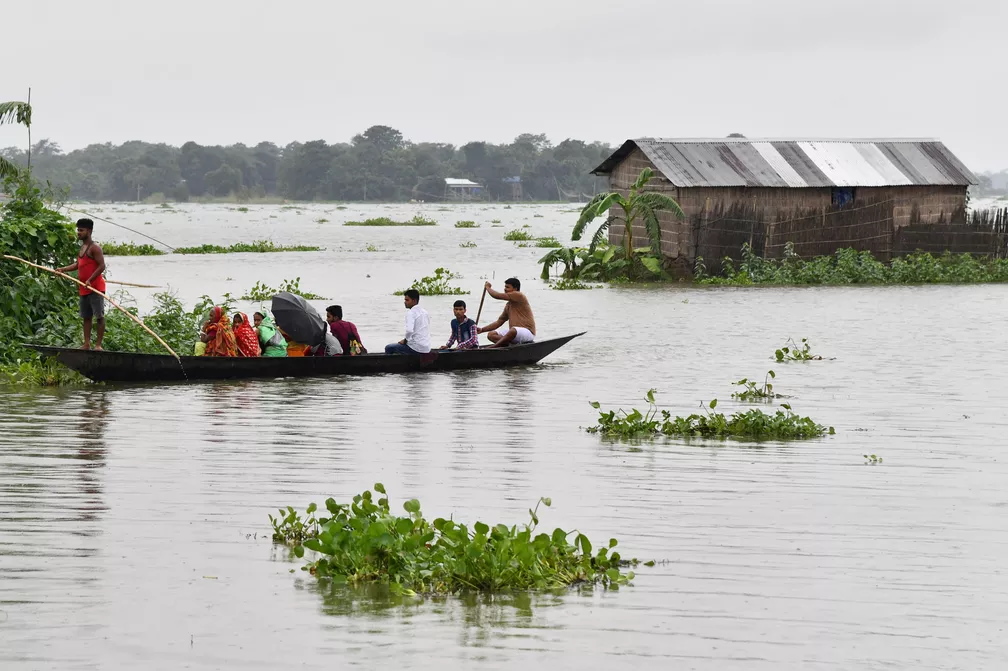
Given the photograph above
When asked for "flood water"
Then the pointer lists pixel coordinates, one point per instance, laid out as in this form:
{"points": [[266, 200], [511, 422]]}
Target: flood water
{"points": [[133, 519]]}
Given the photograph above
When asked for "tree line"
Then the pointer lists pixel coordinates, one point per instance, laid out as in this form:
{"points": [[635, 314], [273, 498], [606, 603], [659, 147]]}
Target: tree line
{"points": [[378, 165]]}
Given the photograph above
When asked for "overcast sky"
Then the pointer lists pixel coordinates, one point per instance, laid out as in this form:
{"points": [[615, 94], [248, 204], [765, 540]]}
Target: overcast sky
{"points": [[220, 72]]}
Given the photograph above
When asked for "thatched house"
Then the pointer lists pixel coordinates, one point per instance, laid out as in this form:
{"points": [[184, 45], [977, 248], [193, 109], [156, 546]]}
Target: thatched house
{"points": [[886, 196]]}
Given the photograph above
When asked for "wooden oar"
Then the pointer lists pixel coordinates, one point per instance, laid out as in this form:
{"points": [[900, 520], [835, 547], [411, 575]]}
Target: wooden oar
{"points": [[114, 304], [480, 311]]}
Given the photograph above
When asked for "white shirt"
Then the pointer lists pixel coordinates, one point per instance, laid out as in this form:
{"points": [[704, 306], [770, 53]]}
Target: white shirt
{"points": [[418, 329]]}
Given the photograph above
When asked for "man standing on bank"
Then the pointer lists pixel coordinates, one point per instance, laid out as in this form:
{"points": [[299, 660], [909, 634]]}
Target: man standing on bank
{"points": [[90, 267], [517, 312], [417, 340]]}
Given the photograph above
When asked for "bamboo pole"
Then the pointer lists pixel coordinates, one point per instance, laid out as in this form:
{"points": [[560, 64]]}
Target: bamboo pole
{"points": [[131, 284], [114, 304]]}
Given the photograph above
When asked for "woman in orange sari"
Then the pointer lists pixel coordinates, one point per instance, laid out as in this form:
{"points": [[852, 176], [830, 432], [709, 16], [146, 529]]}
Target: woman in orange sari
{"points": [[246, 336], [218, 334]]}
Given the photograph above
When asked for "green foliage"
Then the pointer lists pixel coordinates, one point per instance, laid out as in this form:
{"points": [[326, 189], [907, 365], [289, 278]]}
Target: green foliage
{"points": [[129, 249], [321, 220], [241, 209], [495, 221], [467, 245], [417, 220], [466, 224], [363, 543], [872, 459], [37, 372], [753, 392], [567, 284], [437, 284], [605, 263], [791, 352], [518, 235], [638, 204], [547, 242], [261, 292], [848, 266], [259, 246], [30, 298], [752, 424]]}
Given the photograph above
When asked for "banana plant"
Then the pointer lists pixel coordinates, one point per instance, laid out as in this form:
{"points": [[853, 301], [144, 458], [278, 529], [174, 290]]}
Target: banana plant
{"points": [[13, 112], [639, 203]]}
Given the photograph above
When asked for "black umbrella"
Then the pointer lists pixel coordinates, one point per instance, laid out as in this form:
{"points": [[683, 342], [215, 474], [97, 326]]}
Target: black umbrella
{"points": [[298, 319]]}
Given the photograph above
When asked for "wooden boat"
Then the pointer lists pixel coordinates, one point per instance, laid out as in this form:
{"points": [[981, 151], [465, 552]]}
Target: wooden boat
{"points": [[106, 366]]}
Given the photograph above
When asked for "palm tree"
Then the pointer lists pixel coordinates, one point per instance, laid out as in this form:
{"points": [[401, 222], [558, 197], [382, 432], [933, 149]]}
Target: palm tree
{"points": [[16, 112], [639, 203]]}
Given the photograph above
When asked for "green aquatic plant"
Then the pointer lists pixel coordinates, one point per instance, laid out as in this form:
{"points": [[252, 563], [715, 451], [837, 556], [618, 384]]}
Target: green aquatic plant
{"points": [[753, 392], [437, 284], [417, 220], [467, 245], [872, 459], [321, 220], [568, 284], [754, 424], [549, 242], [518, 235], [262, 292], [364, 542], [791, 352], [129, 249], [259, 246], [466, 224], [241, 209], [849, 266]]}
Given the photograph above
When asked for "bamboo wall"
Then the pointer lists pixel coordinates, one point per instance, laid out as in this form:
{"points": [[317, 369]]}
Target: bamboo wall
{"points": [[887, 221]]}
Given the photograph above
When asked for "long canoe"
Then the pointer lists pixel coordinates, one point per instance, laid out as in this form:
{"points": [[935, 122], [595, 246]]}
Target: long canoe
{"points": [[107, 366]]}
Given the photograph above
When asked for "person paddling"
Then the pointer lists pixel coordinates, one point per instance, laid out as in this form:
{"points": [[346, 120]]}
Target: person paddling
{"points": [[517, 313], [90, 267]]}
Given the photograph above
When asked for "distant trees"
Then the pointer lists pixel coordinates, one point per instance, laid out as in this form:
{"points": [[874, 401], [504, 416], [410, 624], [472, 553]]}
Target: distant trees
{"points": [[377, 164]]}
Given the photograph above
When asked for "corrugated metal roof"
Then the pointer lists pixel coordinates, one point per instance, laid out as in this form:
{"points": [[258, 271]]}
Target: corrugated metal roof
{"points": [[798, 163]]}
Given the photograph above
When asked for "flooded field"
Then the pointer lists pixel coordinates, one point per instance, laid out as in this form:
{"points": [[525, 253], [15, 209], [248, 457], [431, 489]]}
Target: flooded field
{"points": [[133, 519]]}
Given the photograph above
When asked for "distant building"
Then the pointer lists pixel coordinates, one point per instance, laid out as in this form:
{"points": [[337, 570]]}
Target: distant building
{"points": [[461, 189], [886, 196]]}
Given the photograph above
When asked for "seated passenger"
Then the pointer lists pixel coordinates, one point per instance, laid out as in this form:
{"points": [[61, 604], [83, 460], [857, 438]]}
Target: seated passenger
{"points": [[270, 339], [246, 336], [344, 331], [417, 340], [218, 334], [463, 329]]}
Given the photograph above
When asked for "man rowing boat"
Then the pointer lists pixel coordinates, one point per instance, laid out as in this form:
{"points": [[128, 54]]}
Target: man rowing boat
{"points": [[517, 313]]}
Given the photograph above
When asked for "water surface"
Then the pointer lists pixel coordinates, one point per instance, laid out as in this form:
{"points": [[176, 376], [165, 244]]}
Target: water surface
{"points": [[133, 529]]}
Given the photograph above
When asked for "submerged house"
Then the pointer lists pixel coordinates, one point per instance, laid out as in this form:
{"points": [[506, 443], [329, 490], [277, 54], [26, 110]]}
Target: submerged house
{"points": [[886, 196]]}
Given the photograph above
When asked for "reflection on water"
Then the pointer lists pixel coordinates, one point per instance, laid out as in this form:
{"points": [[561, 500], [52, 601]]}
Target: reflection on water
{"points": [[133, 519]]}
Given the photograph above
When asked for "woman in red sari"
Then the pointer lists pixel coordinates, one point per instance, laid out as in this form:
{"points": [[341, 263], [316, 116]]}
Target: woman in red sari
{"points": [[246, 336], [218, 334]]}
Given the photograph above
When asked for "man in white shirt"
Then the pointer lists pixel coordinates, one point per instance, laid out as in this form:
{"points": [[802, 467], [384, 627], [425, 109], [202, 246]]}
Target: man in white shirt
{"points": [[417, 340]]}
